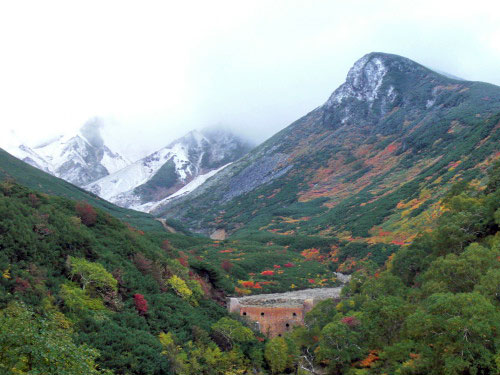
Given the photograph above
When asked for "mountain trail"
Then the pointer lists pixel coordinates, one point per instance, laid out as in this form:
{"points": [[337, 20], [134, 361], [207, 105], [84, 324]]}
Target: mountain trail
{"points": [[167, 227]]}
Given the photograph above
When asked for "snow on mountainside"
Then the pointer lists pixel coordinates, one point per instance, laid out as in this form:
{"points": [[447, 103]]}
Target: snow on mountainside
{"points": [[11, 143], [176, 169], [188, 188], [79, 159]]}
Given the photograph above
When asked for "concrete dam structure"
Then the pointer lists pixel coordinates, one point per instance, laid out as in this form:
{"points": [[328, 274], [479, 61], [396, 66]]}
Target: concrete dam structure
{"points": [[275, 314]]}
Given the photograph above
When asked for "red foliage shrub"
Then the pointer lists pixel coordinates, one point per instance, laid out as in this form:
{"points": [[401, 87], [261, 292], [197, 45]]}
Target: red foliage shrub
{"points": [[140, 304], [288, 265], [350, 321], [183, 261], [276, 266], [311, 281], [267, 273], [21, 285], [226, 265], [42, 230], [142, 263], [86, 213]]}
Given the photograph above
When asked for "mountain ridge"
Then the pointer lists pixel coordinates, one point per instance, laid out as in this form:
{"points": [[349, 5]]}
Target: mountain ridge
{"points": [[166, 171], [77, 158], [392, 128]]}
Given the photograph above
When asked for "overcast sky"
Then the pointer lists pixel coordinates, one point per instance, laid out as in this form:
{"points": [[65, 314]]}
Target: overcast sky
{"points": [[155, 70]]}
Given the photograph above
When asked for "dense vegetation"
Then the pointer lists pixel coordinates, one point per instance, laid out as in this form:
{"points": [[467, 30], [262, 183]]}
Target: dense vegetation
{"points": [[434, 308], [83, 293]]}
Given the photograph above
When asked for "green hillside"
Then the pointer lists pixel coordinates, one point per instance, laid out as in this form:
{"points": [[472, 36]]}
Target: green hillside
{"points": [[100, 292], [22, 173], [83, 293]]}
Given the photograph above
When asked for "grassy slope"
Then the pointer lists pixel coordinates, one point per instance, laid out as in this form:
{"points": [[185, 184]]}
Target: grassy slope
{"points": [[11, 167]]}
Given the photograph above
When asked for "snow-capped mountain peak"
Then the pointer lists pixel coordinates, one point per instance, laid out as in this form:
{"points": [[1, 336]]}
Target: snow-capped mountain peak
{"points": [[183, 164], [78, 158]]}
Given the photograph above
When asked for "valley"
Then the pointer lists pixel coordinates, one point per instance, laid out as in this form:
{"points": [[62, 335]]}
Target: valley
{"points": [[362, 239]]}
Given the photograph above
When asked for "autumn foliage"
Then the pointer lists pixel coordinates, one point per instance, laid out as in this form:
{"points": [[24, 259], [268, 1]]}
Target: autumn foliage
{"points": [[141, 304], [267, 273], [226, 265], [350, 321], [142, 263], [86, 213]]}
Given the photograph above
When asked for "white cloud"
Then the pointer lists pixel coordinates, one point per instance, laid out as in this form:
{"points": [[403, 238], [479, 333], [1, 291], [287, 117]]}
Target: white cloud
{"points": [[155, 70]]}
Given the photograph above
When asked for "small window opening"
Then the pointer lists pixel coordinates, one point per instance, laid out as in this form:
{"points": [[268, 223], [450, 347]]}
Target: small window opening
{"points": [[294, 314], [261, 314], [279, 335], [244, 312], [288, 325]]}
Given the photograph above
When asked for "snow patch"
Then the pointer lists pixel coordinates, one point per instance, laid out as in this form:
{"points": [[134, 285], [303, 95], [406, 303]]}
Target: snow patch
{"points": [[363, 81], [188, 188]]}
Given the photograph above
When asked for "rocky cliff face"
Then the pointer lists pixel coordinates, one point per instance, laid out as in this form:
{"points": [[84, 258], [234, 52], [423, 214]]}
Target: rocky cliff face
{"points": [[385, 146], [175, 169]]}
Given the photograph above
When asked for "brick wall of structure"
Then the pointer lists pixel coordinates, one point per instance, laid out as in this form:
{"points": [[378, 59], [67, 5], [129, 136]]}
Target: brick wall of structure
{"points": [[277, 313], [276, 320]]}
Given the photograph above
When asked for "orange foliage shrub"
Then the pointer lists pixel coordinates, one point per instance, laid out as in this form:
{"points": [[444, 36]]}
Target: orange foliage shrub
{"points": [[312, 254], [370, 359]]}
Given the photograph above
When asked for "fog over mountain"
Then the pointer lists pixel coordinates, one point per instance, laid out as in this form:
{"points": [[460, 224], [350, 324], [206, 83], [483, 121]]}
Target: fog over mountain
{"points": [[155, 72]]}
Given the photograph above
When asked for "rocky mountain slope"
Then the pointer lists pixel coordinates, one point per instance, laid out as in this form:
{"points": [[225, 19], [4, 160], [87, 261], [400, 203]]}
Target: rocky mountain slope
{"points": [[371, 164], [78, 158], [173, 170]]}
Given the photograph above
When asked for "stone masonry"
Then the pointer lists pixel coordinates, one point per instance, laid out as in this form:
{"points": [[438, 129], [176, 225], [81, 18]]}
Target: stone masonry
{"points": [[275, 314]]}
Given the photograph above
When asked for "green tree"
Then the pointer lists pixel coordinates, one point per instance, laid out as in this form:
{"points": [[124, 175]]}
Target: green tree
{"points": [[76, 299], [463, 330], [32, 344], [232, 332], [92, 274], [276, 354], [460, 273], [489, 285], [466, 219], [385, 317], [341, 342], [181, 289]]}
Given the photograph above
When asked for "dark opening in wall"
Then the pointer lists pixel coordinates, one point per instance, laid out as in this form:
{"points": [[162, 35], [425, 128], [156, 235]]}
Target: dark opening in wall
{"points": [[261, 314], [287, 325], [294, 314], [244, 312]]}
